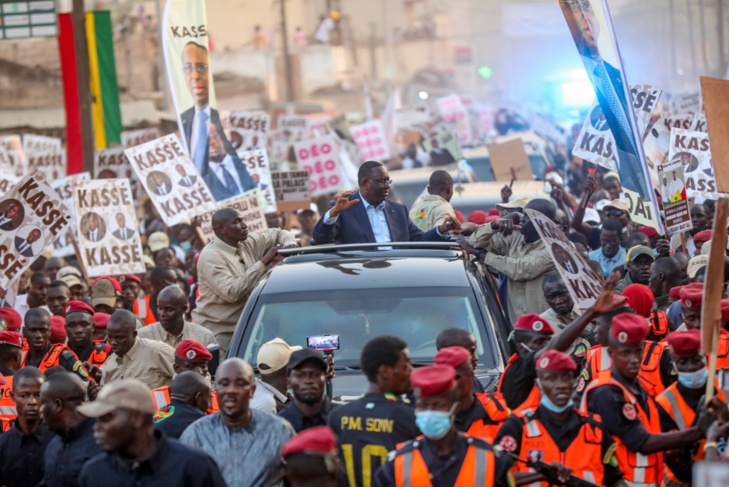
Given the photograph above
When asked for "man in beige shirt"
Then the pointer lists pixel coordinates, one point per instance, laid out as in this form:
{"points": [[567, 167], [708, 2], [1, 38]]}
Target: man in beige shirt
{"points": [[520, 255], [432, 210], [562, 312], [136, 358], [172, 327], [229, 268]]}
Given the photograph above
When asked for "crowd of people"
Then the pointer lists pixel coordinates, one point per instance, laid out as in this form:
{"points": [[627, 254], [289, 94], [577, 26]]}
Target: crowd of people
{"points": [[124, 379]]}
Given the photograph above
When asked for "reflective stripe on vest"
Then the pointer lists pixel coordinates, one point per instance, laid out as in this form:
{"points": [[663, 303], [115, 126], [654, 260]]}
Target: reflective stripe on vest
{"points": [[161, 397], [477, 469], [675, 408], [7, 405]]}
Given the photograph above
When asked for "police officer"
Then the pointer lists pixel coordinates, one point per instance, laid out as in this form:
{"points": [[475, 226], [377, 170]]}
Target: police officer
{"points": [[443, 456], [80, 328], [477, 414], [310, 458], [627, 410], [692, 297], [555, 433], [41, 353], [11, 356]]}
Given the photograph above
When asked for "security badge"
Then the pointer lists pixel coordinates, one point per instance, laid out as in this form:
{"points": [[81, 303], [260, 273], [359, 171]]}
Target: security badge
{"points": [[537, 326], [190, 354], [622, 337], [629, 412]]}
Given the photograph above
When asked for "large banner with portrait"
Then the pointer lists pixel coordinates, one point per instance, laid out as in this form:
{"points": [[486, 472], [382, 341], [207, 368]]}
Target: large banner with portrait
{"points": [[32, 217], [673, 196], [109, 241], [591, 27], [170, 179]]}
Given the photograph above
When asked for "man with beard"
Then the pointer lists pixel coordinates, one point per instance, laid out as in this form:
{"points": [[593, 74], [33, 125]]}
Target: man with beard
{"points": [[307, 378], [638, 262], [253, 438]]}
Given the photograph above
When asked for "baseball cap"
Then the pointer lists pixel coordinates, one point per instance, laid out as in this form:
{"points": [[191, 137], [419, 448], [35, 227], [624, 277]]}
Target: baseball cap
{"points": [[600, 205], [518, 203], [696, 264], [70, 275], [104, 291], [305, 355], [158, 241], [617, 204], [274, 355], [312, 207], [638, 250], [591, 216], [121, 394]]}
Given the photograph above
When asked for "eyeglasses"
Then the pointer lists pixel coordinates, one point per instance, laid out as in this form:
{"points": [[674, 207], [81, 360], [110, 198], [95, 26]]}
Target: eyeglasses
{"points": [[615, 213], [576, 5], [608, 242], [382, 182], [200, 68]]}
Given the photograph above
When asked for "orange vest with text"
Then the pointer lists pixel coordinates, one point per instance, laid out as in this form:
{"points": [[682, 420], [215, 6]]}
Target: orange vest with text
{"points": [[496, 409], [532, 401], [598, 363], [7, 405]]}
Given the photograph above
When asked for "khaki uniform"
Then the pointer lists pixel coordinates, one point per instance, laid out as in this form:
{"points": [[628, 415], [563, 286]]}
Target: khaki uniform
{"points": [[189, 330], [148, 361], [523, 264], [559, 323], [226, 277], [430, 212]]}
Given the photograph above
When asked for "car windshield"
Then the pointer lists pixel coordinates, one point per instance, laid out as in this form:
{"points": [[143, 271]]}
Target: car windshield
{"points": [[417, 315]]}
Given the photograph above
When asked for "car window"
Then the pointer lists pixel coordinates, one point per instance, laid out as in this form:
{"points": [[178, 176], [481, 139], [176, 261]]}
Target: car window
{"points": [[416, 315]]}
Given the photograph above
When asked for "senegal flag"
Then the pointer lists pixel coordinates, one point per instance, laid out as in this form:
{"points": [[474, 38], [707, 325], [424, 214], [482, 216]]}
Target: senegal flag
{"points": [[104, 87]]}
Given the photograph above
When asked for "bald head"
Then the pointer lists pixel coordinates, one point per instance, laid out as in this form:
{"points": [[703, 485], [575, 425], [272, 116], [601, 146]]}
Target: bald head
{"points": [[122, 319], [187, 385], [543, 206], [223, 215], [173, 294], [234, 366], [66, 387]]}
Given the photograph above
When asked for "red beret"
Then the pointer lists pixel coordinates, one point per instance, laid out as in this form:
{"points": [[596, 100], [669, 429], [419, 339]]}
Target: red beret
{"points": [[725, 310], [478, 217], [11, 338], [459, 216], [691, 297], [640, 298], [12, 317], [491, 218], [555, 361], [319, 440], [703, 236], [453, 356], [130, 277], [648, 231], [101, 320], [80, 306], [629, 329], [534, 323], [675, 293], [58, 329], [685, 343], [193, 351], [493, 212], [433, 380], [113, 281]]}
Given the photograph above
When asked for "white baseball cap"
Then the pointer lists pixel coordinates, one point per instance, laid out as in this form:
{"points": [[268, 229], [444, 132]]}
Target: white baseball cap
{"points": [[274, 356]]}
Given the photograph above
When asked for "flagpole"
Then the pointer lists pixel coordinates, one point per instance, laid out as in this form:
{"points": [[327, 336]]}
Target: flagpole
{"points": [[83, 74]]}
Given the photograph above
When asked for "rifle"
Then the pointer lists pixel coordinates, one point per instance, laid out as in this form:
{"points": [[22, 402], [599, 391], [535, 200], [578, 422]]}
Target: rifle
{"points": [[550, 473]]}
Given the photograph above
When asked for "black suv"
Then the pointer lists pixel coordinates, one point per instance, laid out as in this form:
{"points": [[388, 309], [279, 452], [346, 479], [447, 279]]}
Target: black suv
{"points": [[414, 291]]}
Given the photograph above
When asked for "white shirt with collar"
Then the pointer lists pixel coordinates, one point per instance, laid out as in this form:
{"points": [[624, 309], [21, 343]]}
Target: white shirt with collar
{"points": [[376, 215], [217, 168], [195, 134]]}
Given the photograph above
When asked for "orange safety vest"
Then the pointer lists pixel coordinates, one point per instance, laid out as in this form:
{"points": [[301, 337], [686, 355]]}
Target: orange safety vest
{"points": [[659, 324], [676, 407], [535, 395], [51, 357], [599, 363], [495, 408], [477, 470], [142, 310], [636, 467], [7, 405], [98, 357], [722, 356], [6, 424], [161, 397], [584, 455]]}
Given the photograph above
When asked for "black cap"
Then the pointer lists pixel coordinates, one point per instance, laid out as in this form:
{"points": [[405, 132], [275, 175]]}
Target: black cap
{"points": [[304, 355]]}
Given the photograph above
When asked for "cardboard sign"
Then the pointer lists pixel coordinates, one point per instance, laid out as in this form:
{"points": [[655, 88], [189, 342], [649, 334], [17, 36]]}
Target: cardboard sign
{"points": [[14, 147], [7, 181], [292, 190], [32, 216], [321, 158], [45, 154], [693, 150], [678, 121], [371, 141], [699, 123], [581, 281], [673, 194], [171, 180], [249, 130], [452, 109], [63, 246], [112, 164], [132, 138], [509, 160], [716, 93], [250, 204], [256, 162]]}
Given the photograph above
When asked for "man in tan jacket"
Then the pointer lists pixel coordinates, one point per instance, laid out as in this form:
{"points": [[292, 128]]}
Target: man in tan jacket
{"points": [[432, 210], [229, 268]]}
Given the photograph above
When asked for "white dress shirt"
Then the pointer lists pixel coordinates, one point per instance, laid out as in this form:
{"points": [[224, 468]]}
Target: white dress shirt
{"points": [[195, 134], [230, 167]]}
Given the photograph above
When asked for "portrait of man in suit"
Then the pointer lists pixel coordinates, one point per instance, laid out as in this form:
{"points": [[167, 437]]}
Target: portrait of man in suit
{"points": [[11, 214], [159, 183], [227, 176], [689, 161], [93, 227], [564, 259], [106, 174], [25, 245], [122, 233], [186, 181], [440, 156]]}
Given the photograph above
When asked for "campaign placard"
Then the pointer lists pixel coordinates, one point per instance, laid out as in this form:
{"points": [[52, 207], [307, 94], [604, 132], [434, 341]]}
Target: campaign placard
{"points": [[296, 125], [693, 150], [170, 179], [132, 138], [583, 284], [106, 223], [292, 190], [6, 163], [682, 121], [45, 154], [249, 130], [686, 102], [320, 157], [452, 110], [509, 161], [112, 164], [673, 195], [63, 246], [250, 204], [7, 181], [371, 141], [256, 162], [442, 144], [13, 144], [32, 216]]}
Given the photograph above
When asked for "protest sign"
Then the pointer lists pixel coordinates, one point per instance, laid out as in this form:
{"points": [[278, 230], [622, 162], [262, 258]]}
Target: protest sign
{"points": [[14, 147], [656, 144], [109, 242], [249, 130], [678, 120], [11, 294], [296, 125], [693, 151], [442, 145], [292, 190], [112, 164], [407, 118], [371, 141], [249, 204], [686, 102], [6, 163], [32, 216], [170, 179], [699, 123], [581, 281], [645, 100], [673, 194], [321, 158], [509, 161], [7, 181], [716, 95], [45, 154], [453, 111], [132, 138], [256, 162], [63, 246]]}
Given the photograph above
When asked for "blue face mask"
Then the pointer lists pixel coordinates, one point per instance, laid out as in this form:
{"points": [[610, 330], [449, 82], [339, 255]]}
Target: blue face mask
{"points": [[694, 380], [434, 424], [185, 246], [547, 403]]}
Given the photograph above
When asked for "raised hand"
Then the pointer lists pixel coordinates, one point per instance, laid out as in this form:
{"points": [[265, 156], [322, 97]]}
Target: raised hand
{"points": [[343, 203]]}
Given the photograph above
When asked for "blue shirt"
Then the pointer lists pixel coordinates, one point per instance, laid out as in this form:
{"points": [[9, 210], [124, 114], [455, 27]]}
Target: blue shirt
{"points": [[608, 264]]}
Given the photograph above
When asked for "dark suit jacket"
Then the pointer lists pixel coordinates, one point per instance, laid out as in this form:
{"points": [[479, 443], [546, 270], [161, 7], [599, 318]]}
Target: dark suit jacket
{"points": [[353, 226], [192, 181], [218, 187], [28, 252], [123, 233], [187, 118]]}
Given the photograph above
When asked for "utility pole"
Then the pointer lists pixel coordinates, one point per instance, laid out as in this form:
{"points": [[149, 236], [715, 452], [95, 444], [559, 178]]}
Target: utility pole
{"points": [[721, 69], [83, 74], [286, 59]]}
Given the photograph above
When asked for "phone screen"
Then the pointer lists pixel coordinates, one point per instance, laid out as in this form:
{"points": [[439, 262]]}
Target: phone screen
{"points": [[324, 343]]}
